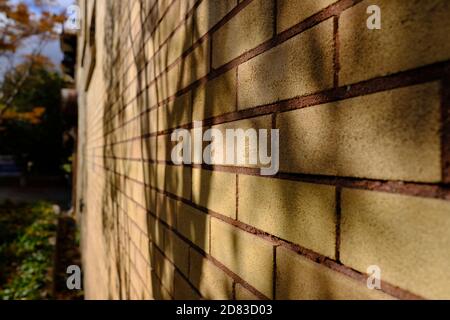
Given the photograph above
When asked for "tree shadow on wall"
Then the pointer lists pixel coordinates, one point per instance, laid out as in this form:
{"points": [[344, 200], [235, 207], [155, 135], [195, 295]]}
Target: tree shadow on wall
{"points": [[162, 105]]}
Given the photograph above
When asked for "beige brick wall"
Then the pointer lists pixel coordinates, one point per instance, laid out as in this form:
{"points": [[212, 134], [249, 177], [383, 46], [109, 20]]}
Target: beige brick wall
{"points": [[364, 149]]}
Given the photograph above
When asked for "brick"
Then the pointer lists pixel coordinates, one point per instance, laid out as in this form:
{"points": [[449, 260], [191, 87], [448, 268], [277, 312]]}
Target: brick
{"points": [[249, 28], [148, 147], [291, 12], [300, 66], [244, 294], [179, 42], [164, 147], [196, 64], [156, 232], [263, 122], [408, 38], [208, 13], [299, 278], [173, 16], [215, 190], [183, 290], [216, 97], [248, 256], [177, 251], [194, 225], [377, 136], [299, 212], [407, 237], [175, 113], [158, 291], [167, 209], [164, 270], [176, 180], [212, 282]]}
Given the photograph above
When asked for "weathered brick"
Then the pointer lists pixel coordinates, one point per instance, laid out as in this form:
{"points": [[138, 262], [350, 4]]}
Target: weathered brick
{"points": [[249, 28], [194, 225], [299, 278], [212, 282], [248, 256], [374, 136], [216, 97], [299, 212], [268, 77], [407, 237], [413, 34], [291, 12], [215, 190]]}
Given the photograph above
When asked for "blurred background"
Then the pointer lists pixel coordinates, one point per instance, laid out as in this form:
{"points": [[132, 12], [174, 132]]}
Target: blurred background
{"points": [[38, 119]]}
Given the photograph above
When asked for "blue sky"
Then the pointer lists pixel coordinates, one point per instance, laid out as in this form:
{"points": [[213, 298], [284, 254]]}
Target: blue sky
{"points": [[52, 49]]}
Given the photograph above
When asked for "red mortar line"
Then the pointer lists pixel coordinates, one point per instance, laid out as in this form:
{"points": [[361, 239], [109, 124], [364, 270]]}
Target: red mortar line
{"points": [[307, 253], [395, 81], [278, 39], [338, 193], [207, 256], [418, 189], [336, 64], [205, 37], [144, 66], [445, 131], [132, 264], [129, 258]]}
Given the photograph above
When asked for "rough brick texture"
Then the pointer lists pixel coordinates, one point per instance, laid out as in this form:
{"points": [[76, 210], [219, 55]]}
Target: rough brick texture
{"points": [[364, 149]]}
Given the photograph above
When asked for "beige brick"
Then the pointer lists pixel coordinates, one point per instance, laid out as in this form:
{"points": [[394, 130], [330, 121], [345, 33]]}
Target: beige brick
{"points": [[194, 225], [208, 13], [183, 290], [179, 42], [407, 237], [177, 251], [176, 180], [174, 15], [248, 256], [249, 28], [302, 65], [291, 12], [258, 123], [391, 135], [299, 278], [164, 270], [167, 209], [175, 113], [216, 97], [299, 212], [244, 294], [148, 147], [215, 190], [159, 292], [413, 34], [212, 282], [156, 232], [196, 64]]}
